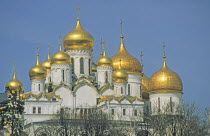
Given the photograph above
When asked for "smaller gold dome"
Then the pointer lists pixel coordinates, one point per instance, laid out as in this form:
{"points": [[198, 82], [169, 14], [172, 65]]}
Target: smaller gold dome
{"points": [[104, 60], [61, 56], [120, 75], [165, 80], [47, 63], [37, 71], [94, 67], [14, 85], [78, 38], [129, 63]]}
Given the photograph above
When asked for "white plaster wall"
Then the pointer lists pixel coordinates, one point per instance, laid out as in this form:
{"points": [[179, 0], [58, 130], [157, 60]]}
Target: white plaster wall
{"points": [[48, 77], [35, 85], [165, 101], [66, 96], [108, 92], [86, 96], [77, 54], [117, 88], [48, 110], [129, 109], [57, 74], [135, 81], [101, 75]]}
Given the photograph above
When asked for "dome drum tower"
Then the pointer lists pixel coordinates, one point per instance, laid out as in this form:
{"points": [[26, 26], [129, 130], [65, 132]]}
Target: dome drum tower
{"points": [[132, 66], [60, 69], [165, 91], [37, 75], [104, 70], [78, 44]]}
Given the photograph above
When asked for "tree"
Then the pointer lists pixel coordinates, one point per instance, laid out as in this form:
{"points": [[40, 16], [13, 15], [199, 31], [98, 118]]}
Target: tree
{"points": [[189, 122], [84, 122], [11, 116]]}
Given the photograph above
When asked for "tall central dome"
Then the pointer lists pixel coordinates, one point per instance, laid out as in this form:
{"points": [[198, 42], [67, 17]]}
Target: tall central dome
{"points": [[78, 38], [128, 62]]}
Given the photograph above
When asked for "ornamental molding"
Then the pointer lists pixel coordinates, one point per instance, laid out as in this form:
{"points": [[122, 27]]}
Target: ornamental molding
{"points": [[76, 52], [104, 68]]}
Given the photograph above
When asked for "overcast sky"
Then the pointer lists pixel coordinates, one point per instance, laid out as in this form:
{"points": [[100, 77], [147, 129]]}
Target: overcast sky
{"points": [[184, 26]]}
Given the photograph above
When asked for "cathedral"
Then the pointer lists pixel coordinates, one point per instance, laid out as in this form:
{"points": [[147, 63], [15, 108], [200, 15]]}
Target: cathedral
{"points": [[70, 79]]}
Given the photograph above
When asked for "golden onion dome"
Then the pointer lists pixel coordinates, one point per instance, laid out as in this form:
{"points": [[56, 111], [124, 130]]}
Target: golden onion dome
{"points": [[37, 71], [78, 38], [128, 62], [120, 75], [61, 57], [165, 80], [94, 67], [14, 85], [47, 63], [104, 60]]}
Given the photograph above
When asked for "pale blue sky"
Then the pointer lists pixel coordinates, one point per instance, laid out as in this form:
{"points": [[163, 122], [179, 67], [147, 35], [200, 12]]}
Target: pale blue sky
{"points": [[183, 25]]}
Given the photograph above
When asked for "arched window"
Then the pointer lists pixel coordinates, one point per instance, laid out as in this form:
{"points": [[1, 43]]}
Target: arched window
{"points": [[106, 76], [89, 63], [129, 89], [63, 74], [72, 62], [81, 65]]}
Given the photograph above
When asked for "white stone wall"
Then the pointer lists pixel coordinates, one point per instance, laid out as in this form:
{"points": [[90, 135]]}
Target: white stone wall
{"points": [[37, 85], [48, 77], [124, 107], [66, 95], [164, 103], [101, 75], [86, 96], [135, 81], [48, 110], [119, 89], [57, 74], [76, 55]]}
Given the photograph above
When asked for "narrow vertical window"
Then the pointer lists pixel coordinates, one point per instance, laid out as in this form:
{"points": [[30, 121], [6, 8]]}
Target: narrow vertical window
{"points": [[121, 90], [81, 65], [150, 106], [89, 63], [34, 109], [50, 79], [39, 87], [85, 112], [135, 112], [124, 112], [171, 104], [129, 89], [158, 104], [112, 111], [39, 110], [63, 75], [72, 62], [81, 113], [140, 90], [106, 76]]}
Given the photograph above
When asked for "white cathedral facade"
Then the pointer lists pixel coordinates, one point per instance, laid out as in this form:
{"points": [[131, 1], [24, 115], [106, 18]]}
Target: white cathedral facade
{"points": [[70, 79]]}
